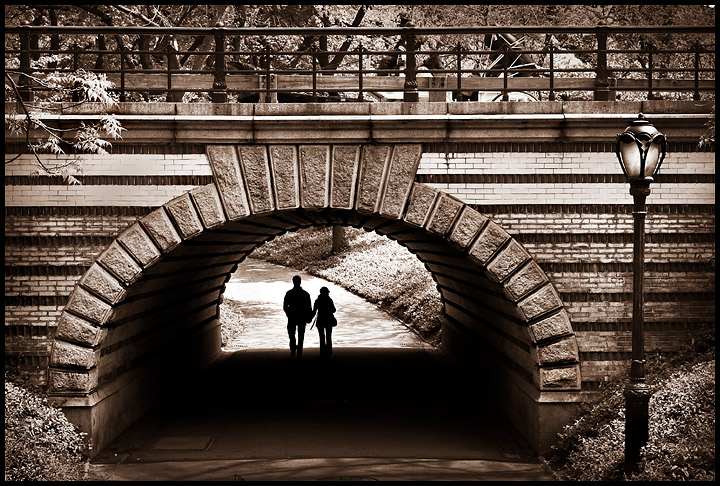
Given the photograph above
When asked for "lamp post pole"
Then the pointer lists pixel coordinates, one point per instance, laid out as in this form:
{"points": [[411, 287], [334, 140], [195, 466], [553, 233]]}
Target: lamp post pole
{"points": [[637, 392], [640, 151]]}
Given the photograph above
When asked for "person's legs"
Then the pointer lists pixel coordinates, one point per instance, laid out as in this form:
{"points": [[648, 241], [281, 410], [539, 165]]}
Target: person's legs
{"points": [[291, 335], [300, 338], [321, 335], [328, 341]]}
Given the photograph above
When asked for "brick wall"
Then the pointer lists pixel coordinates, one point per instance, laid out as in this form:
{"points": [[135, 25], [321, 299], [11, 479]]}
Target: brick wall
{"points": [[568, 206], [572, 212]]}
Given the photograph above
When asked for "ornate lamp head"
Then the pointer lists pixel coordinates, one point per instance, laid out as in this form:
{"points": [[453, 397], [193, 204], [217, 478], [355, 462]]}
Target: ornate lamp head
{"points": [[640, 150]]}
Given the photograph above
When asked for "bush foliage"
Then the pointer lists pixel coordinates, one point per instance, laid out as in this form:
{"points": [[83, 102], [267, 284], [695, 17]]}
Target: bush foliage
{"points": [[40, 443], [681, 443]]}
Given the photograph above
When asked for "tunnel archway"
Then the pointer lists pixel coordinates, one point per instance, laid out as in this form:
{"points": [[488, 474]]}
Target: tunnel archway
{"points": [[146, 312]]}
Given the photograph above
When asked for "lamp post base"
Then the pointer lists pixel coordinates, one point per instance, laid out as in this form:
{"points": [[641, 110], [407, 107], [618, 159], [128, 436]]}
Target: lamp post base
{"points": [[637, 399]]}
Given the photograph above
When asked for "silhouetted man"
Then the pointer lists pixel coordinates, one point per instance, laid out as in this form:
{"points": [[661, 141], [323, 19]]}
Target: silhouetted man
{"points": [[298, 310]]}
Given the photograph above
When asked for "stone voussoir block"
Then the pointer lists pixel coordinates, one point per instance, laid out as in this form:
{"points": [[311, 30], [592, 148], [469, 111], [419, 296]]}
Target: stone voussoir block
{"points": [[467, 226], [543, 300], [87, 305], [444, 214], [225, 167], [69, 355], [345, 167], [209, 206], [491, 238], [562, 351], [524, 281], [373, 162], [139, 244], [559, 378], [422, 199], [314, 175], [102, 283], [551, 327], [256, 171], [72, 382], [74, 329], [161, 229], [401, 174], [186, 218], [507, 261], [117, 260], [284, 169]]}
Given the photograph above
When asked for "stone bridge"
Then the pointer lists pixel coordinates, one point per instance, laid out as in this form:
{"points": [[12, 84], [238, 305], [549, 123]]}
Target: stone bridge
{"points": [[507, 207]]}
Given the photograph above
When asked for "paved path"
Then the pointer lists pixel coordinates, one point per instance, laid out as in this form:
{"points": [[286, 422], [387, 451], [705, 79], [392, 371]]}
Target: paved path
{"points": [[384, 407]]}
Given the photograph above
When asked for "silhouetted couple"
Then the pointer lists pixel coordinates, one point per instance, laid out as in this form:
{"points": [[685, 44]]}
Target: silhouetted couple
{"points": [[299, 313]]}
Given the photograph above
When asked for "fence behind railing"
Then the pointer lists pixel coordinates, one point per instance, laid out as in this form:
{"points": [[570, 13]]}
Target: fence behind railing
{"points": [[476, 64]]}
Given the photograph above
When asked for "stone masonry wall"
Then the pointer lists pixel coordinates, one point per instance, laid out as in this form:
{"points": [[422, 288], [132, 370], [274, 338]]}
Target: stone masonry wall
{"points": [[568, 208]]}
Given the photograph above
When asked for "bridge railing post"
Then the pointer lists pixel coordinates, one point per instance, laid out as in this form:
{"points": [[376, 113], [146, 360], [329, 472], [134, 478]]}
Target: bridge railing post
{"points": [[360, 73], [696, 95], [650, 94], [602, 83], [313, 48], [551, 53], [219, 92], [411, 87], [26, 94], [121, 49], [458, 48]]}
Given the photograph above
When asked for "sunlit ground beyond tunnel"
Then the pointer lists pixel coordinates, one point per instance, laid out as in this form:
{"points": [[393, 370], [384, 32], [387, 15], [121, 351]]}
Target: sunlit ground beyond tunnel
{"points": [[257, 290]]}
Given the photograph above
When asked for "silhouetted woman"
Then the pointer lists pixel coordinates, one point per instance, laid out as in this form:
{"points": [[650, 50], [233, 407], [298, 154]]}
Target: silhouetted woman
{"points": [[325, 308]]}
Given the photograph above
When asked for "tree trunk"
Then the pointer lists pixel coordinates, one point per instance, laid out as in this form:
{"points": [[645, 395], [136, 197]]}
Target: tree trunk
{"points": [[339, 240]]}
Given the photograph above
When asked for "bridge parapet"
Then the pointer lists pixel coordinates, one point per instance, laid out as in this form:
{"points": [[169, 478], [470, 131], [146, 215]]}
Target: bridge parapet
{"points": [[591, 121]]}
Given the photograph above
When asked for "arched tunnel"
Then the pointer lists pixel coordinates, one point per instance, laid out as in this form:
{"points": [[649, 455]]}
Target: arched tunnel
{"points": [[146, 313]]}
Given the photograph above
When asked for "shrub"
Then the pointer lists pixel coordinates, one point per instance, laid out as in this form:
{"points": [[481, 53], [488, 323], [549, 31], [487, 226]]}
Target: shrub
{"points": [[40, 443], [232, 321], [681, 444]]}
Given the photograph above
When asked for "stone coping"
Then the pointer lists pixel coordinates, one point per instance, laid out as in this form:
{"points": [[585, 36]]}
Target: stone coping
{"points": [[397, 108]]}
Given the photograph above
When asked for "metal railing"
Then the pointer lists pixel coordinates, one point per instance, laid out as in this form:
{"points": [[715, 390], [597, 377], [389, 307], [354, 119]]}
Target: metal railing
{"points": [[477, 63]]}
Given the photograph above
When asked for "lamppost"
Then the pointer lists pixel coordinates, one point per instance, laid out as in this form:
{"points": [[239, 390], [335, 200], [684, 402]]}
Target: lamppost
{"points": [[640, 150]]}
